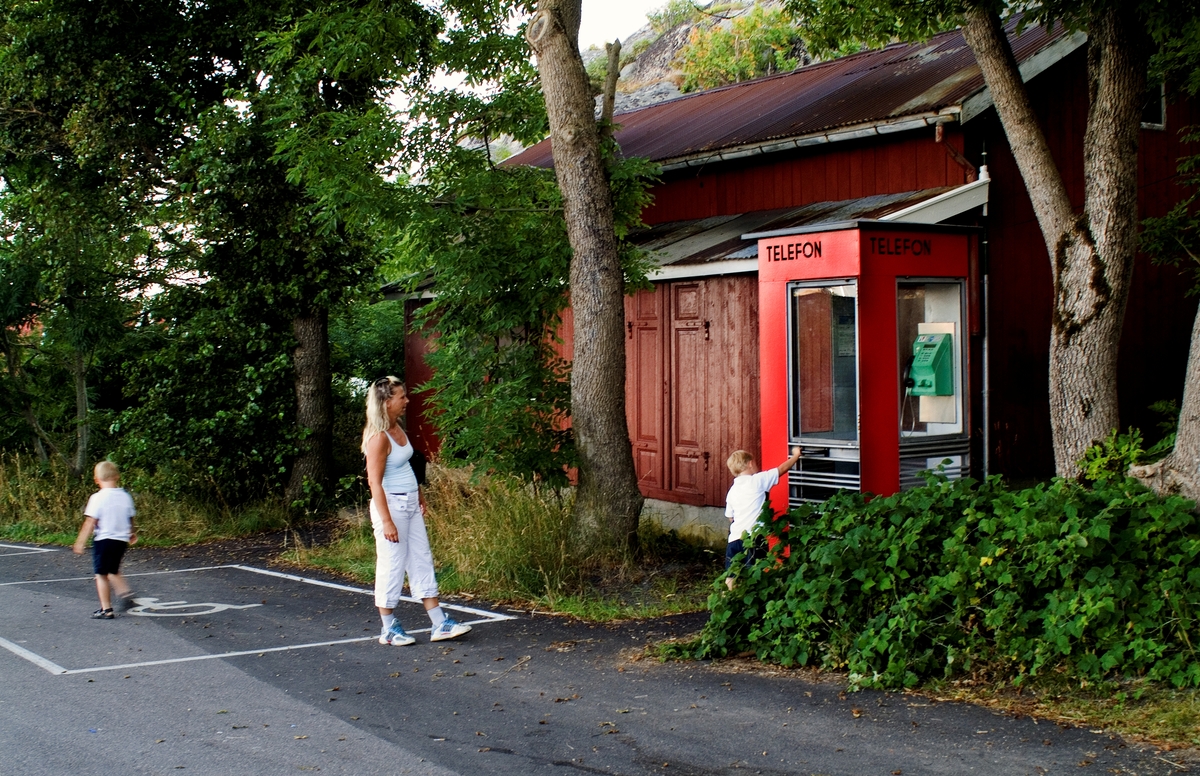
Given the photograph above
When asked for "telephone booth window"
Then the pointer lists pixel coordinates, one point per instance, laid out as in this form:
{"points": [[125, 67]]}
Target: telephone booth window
{"points": [[824, 363], [823, 389], [929, 328]]}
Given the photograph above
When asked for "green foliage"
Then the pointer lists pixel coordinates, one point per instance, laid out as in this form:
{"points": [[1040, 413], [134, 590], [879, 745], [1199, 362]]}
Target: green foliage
{"points": [[211, 398], [493, 243], [962, 575], [490, 244], [755, 44], [1168, 427], [596, 69], [366, 340], [831, 28], [1113, 456], [673, 14]]}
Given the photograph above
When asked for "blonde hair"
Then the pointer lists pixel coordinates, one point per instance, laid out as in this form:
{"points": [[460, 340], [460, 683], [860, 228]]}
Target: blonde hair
{"points": [[377, 397], [738, 461], [107, 471]]}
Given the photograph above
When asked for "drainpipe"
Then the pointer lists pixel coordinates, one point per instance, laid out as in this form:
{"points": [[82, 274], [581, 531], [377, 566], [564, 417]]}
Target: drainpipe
{"points": [[984, 268]]}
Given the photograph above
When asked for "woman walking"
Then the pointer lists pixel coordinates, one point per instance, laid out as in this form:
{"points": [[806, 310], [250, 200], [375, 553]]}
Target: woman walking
{"points": [[397, 515]]}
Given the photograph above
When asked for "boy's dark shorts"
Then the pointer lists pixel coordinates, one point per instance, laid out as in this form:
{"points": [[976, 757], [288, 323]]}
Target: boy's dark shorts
{"points": [[107, 554], [752, 554]]}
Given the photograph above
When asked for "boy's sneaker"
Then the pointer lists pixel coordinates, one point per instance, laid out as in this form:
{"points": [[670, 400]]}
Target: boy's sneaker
{"points": [[449, 629], [396, 637], [102, 614]]}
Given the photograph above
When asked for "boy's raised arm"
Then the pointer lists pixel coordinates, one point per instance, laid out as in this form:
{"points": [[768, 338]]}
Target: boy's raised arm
{"points": [[790, 462]]}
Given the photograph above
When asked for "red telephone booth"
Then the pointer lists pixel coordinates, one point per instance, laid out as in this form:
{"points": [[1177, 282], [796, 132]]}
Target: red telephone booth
{"points": [[863, 361]]}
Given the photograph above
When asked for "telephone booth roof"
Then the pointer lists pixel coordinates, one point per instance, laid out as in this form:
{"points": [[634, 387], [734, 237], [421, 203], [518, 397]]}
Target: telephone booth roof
{"points": [[863, 248]]}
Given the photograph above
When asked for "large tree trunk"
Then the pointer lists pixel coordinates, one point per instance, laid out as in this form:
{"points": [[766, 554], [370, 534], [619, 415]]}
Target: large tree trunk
{"points": [[1091, 255], [1179, 472], [607, 502], [314, 404]]}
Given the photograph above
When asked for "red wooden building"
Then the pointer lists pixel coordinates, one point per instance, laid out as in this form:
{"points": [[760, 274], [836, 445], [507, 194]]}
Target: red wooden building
{"points": [[904, 134]]}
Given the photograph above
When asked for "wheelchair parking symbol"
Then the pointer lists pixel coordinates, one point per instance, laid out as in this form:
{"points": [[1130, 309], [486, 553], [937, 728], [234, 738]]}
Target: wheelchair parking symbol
{"points": [[152, 607]]}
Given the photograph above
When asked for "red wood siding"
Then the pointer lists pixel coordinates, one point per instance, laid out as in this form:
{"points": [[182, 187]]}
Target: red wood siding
{"points": [[417, 343], [882, 165]]}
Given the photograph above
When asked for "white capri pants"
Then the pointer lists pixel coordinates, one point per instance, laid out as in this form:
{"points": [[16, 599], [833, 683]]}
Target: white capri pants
{"points": [[411, 554]]}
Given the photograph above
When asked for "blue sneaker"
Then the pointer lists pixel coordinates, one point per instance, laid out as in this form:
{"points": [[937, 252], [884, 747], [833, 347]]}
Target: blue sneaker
{"points": [[449, 629], [396, 637]]}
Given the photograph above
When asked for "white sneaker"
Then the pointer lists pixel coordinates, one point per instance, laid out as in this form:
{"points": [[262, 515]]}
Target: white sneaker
{"points": [[396, 637], [449, 629]]}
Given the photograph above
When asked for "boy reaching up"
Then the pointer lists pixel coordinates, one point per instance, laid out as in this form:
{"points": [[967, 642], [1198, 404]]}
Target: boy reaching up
{"points": [[745, 500], [109, 512]]}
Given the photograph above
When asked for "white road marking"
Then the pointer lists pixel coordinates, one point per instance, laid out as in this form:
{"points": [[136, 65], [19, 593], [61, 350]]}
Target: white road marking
{"points": [[152, 607], [483, 617], [214, 657], [136, 574], [488, 616], [24, 550], [32, 657]]}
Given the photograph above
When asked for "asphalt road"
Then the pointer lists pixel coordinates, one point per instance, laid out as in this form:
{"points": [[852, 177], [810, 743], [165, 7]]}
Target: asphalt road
{"points": [[229, 670]]}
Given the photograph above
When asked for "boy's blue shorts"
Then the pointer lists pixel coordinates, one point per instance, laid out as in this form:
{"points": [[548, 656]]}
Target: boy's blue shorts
{"points": [[107, 554], [752, 554]]}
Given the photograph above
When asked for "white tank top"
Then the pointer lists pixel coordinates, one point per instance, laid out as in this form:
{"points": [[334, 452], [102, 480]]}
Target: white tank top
{"points": [[398, 475]]}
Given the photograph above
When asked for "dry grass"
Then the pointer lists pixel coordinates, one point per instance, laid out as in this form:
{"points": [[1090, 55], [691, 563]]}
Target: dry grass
{"points": [[509, 542], [44, 504], [1137, 710]]}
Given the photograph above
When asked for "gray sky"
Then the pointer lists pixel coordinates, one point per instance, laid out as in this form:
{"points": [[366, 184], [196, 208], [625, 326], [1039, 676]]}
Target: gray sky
{"points": [[604, 20]]}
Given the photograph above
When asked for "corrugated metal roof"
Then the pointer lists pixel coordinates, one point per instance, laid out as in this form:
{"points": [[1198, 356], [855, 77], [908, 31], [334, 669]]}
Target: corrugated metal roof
{"points": [[692, 248], [902, 80], [707, 240]]}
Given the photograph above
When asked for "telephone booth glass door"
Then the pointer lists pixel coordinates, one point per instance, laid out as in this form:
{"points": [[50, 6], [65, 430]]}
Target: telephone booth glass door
{"points": [[823, 390]]}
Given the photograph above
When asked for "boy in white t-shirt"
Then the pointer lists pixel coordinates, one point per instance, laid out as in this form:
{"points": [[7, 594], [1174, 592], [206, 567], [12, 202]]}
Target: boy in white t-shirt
{"points": [[109, 512], [744, 502]]}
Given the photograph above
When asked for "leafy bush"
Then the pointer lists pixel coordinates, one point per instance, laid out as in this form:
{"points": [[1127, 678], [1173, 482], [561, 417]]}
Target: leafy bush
{"points": [[1113, 456], [962, 576], [673, 14], [756, 44]]}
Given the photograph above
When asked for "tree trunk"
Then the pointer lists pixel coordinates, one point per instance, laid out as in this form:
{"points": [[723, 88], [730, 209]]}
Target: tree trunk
{"points": [[1091, 255], [1179, 472], [607, 502], [314, 404], [82, 425]]}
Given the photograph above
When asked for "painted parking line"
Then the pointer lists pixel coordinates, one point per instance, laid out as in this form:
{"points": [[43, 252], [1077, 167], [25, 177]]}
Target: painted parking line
{"points": [[20, 550], [152, 607], [126, 575]]}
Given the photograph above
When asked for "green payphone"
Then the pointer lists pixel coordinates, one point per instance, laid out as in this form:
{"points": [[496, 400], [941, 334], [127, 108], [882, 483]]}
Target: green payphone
{"points": [[932, 365]]}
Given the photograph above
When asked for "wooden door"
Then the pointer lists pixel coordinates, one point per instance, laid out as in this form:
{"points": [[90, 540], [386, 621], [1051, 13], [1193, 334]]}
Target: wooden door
{"points": [[645, 391], [733, 410], [689, 388]]}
